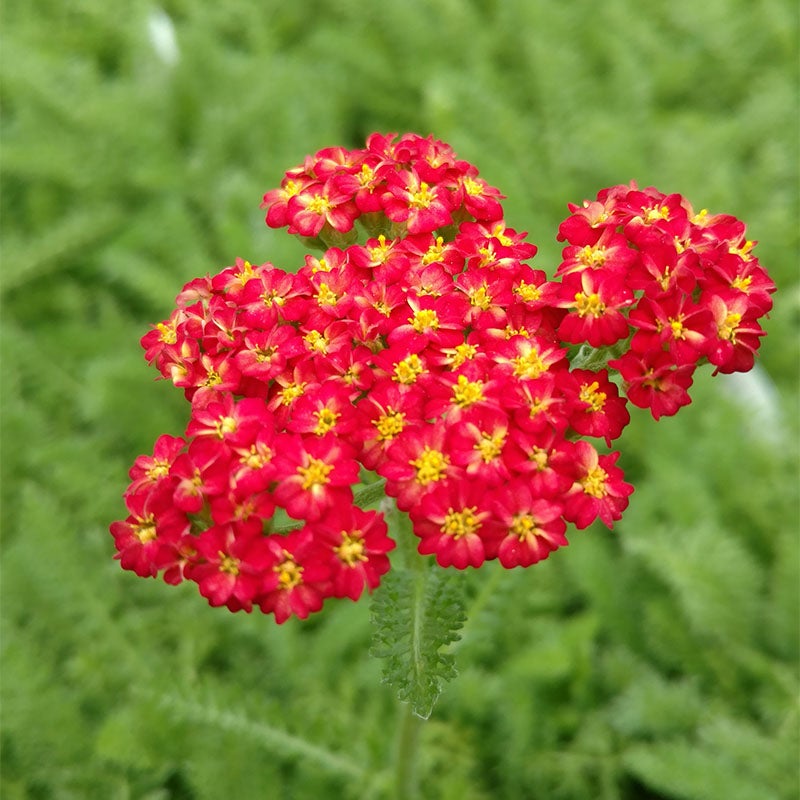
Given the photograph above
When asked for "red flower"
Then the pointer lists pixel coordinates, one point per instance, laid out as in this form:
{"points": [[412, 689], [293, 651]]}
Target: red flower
{"points": [[594, 407], [229, 567], [594, 302], [653, 381], [356, 542], [454, 522], [597, 490], [532, 526], [314, 474], [297, 581]]}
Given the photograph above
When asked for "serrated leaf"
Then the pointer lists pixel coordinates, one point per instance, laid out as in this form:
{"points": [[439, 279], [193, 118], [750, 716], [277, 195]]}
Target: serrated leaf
{"points": [[415, 615]]}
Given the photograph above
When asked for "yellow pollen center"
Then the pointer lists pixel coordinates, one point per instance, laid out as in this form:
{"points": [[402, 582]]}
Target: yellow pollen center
{"points": [[481, 297], [319, 205], [743, 284], [290, 573], [460, 523], [422, 198], [590, 395], [316, 341], [466, 392], [430, 466], [326, 419], [351, 550], [490, 446], [528, 292], [523, 526], [256, 457], [291, 392], [145, 531], [246, 274], [159, 469], [589, 304], [167, 333], [315, 474], [224, 426], [529, 364], [472, 187], [265, 353], [228, 564], [435, 252], [592, 256], [381, 251], [676, 325], [655, 214], [424, 319], [272, 298], [213, 378], [463, 352], [499, 233], [408, 370], [594, 482], [389, 424], [326, 296], [730, 326]]}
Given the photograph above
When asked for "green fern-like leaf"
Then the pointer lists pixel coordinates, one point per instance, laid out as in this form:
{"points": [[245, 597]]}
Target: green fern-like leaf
{"points": [[416, 614]]}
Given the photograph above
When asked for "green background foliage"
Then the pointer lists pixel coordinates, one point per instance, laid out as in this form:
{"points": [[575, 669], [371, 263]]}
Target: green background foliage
{"points": [[657, 661]]}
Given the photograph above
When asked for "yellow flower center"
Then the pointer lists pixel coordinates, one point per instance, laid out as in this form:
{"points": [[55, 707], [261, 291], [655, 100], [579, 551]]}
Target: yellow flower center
{"points": [[158, 470], [472, 187], [590, 395], [529, 364], [145, 530], [463, 352], [228, 564], [315, 474], [592, 256], [319, 205], [460, 523], [225, 426], [424, 320], [589, 304], [434, 253], [466, 392], [290, 573], [430, 466], [389, 424], [326, 419], [528, 292], [316, 341], [523, 526], [291, 392], [256, 457], [351, 550], [489, 446], [480, 298], [422, 198], [326, 296], [167, 333], [729, 327], [594, 482], [408, 370]]}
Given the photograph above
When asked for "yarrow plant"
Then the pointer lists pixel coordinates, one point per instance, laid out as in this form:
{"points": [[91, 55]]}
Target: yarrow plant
{"points": [[420, 357]]}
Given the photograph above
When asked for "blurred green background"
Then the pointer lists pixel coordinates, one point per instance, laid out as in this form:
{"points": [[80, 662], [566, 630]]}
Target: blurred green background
{"points": [[657, 661]]}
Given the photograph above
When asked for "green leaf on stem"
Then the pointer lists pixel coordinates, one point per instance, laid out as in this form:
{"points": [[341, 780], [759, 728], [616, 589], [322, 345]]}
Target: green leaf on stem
{"points": [[416, 613]]}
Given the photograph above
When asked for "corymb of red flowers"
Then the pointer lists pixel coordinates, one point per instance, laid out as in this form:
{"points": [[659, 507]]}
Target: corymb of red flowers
{"points": [[421, 353]]}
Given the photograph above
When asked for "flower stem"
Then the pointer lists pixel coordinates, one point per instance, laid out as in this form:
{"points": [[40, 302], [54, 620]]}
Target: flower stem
{"points": [[406, 761]]}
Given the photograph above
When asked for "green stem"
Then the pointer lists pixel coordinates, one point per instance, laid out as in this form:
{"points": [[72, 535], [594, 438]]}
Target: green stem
{"points": [[407, 758]]}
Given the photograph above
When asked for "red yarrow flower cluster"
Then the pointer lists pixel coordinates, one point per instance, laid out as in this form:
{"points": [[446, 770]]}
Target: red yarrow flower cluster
{"points": [[675, 287], [421, 349]]}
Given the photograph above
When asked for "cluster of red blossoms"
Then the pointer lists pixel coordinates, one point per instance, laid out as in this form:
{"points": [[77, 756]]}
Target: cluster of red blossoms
{"points": [[432, 357]]}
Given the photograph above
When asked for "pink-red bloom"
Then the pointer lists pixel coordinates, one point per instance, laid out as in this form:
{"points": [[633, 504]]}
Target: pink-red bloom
{"points": [[428, 351]]}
